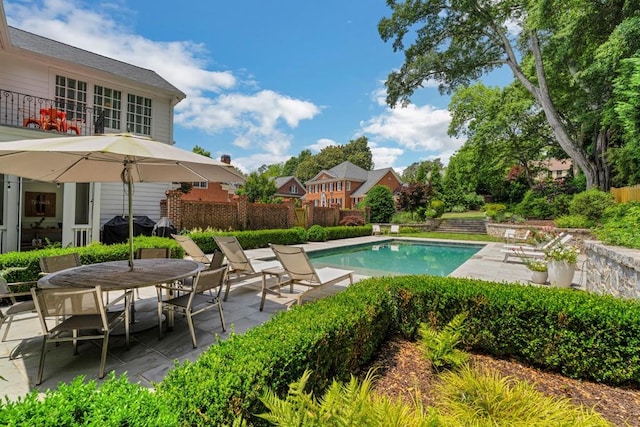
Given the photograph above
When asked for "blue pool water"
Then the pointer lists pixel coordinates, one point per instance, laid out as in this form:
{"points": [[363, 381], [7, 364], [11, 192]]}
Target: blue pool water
{"points": [[397, 257]]}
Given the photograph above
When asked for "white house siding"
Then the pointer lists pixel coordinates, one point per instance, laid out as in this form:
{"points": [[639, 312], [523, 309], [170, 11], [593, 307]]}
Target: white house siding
{"points": [[146, 200], [25, 76]]}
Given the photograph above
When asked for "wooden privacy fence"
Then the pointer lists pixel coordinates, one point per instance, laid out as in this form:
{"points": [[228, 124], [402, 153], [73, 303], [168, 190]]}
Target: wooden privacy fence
{"points": [[242, 215], [626, 194]]}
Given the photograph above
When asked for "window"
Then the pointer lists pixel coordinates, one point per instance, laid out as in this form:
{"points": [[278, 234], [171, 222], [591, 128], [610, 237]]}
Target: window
{"points": [[139, 114], [108, 101], [293, 189], [348, 185], [71, 96], [331, 187], [83, 201], [324, 187], [339, 186], [204, 184]]}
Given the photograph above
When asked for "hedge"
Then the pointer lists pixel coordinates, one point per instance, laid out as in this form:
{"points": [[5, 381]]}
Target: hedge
{"points": [[578, 334]]}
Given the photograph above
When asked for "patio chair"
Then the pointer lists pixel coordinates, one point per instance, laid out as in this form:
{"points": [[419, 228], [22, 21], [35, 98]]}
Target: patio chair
{"points": [[300, 270], [395, 229], [15, 308], [75, 310], [55, 263], [149, 253], [511, 236], [193, 301], [239, 264], [191, 249], [375, 229]]}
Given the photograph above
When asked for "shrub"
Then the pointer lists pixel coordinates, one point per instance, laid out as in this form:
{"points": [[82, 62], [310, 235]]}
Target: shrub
{"points": [[591, 204], [352, 220], [316, 233], [380, 200], [438, 206], [473, 201], [621, 225], [440, 346], [573, 221], [458, 209]]}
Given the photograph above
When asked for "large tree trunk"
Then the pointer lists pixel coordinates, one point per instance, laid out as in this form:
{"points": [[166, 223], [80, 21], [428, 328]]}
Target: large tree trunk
{"points": [[595, 170]]}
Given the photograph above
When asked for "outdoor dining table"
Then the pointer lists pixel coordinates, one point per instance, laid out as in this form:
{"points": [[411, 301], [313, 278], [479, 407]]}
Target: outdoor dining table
{"points": [[117, 276]]}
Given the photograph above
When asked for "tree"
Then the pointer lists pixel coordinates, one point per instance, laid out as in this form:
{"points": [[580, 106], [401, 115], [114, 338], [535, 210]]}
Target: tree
{"points": [[380, 200], [199, 150], [414, 196], [258, 188], [455, 42], [504, 127]]}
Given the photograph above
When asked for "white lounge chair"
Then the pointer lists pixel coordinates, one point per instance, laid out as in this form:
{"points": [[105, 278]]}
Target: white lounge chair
{"points": [[395, 229], [296, 263], [239, 263], [524, 251], [375, 229]]}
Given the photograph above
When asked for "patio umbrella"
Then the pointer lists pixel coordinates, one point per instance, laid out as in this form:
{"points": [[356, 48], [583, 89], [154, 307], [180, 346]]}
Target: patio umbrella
{"points": [[110, 158]]}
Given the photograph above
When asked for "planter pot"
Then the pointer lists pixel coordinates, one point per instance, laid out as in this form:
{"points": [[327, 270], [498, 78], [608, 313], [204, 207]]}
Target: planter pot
{"points": [[539, 277], [561, 273]]}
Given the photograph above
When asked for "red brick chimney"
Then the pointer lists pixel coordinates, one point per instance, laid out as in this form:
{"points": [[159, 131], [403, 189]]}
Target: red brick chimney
{"points": [[225, 158]]}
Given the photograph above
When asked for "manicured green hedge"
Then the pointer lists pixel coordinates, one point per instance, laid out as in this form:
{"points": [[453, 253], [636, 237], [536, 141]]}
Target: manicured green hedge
{"points": [[91, 254], [579, 334], [261, 238]]}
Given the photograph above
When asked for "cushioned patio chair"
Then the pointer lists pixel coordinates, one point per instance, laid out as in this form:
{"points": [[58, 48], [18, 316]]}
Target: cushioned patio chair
{"points": [[239, 264], [192, 301], [74, 310], [296, 263], [15, 307]]}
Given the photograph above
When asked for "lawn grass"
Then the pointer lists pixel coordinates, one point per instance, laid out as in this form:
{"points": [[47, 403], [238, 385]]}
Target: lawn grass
{"points": [[453, 236], [468, 214]]}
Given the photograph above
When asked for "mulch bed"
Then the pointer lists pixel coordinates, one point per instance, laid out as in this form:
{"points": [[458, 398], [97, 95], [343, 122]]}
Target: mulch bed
{"points": [[402, 370]]}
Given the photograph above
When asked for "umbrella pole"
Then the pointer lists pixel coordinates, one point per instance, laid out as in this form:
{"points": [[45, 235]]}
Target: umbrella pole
{"points": [[130, 188]]}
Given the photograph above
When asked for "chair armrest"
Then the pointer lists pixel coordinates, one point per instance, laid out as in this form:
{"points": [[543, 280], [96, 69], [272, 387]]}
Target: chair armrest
{"points": [[127, 294], [15, 294], [29, 283], [174, 288]]}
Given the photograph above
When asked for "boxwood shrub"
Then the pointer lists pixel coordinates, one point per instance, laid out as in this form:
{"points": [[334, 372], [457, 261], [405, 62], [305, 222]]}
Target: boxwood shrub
{"points": [[578, 334]]}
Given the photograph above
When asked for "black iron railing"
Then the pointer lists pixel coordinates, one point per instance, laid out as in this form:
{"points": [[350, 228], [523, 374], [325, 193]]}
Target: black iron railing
{"points": [[49, 115]]}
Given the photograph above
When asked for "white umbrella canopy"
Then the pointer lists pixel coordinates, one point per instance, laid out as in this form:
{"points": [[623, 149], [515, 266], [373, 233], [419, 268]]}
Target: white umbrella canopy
{"points": [[110, 158]]}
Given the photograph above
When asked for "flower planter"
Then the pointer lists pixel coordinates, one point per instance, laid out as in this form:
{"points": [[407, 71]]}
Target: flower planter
{"points": [[539, 277], [561, 273]]}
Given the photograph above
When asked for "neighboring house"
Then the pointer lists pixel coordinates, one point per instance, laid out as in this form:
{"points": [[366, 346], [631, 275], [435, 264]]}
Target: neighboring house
{"points": [[554, 168], [212, 191], [48, 88], [346, 184], [290, 187]]}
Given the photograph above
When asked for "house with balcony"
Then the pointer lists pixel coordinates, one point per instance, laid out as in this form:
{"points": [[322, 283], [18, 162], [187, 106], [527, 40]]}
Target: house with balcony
{"points": [[49, 89], [346, 185]]}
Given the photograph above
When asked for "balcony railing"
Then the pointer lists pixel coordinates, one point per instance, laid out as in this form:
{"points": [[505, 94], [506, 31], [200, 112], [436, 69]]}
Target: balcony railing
{"points": [[48, 115]]}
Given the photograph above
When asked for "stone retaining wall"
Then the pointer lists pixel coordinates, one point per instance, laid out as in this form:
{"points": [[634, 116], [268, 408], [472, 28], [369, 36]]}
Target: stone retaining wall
{"points": [[612, 270]]}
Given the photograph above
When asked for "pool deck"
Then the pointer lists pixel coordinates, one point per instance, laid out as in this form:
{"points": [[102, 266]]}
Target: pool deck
{"points": [[149, 358]]}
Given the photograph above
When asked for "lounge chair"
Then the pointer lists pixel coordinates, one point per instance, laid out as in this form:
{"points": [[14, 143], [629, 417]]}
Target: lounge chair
{"points": [[524, 251], [296, 263], [83, 310], [511, 236], [375, 229], [239, 264], [395, 229], [191, 249]]}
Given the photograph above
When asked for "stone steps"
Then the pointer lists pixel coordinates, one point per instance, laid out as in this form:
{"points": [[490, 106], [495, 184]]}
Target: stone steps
{"points": [[464, 226]]}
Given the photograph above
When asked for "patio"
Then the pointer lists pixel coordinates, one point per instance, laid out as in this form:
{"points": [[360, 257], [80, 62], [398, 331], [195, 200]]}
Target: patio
{"points": [[149, 358]]}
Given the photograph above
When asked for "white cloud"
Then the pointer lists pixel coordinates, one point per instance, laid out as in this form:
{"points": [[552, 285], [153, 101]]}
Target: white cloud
{"points": [[384, 157], [214, 103], [321, 143], [413, 127]]}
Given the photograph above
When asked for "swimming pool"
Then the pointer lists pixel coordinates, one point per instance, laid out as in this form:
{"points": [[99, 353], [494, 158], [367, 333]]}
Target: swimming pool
{"points": [[397, 257]]}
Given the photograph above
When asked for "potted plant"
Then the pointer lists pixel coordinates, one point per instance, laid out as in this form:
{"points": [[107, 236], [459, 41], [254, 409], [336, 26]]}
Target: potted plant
{"points": [[562, 264], [538, 268]]}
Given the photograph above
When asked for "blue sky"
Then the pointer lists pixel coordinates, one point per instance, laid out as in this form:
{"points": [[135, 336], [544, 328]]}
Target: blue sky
{"points": [[264, 80]]}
